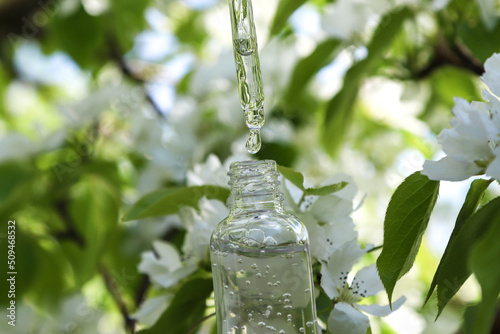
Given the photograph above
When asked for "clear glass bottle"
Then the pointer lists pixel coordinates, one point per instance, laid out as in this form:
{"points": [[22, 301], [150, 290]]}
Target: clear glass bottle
{"points": [[260, 259]]}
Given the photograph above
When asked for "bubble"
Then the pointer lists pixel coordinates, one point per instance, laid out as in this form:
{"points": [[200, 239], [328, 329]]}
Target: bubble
{"points": [[287, 301], [302, 330], [242, 271], [214, 265], [247, 282], [240, 260], [288, 307], [269, 284], [261, 324], [309, 323], [307, 290], [225, 286], [278, 314], [259, 275], [231, 293], [287, 295], [281, 332]]}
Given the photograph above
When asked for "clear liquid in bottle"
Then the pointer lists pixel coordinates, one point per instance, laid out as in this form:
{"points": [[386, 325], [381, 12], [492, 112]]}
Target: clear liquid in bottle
{"points": [[260, 259]]}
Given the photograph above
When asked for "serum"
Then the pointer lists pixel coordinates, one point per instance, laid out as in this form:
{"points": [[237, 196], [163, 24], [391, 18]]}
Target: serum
{"points": [[260, 259]]}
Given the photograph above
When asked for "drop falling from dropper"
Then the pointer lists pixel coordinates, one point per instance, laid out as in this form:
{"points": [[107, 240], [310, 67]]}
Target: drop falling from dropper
{"points": [[254, 142]]}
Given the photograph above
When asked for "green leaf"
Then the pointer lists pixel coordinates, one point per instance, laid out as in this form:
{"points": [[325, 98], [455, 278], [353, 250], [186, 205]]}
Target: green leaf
{"points": [[126, 19], [295, 177], [326, 190], [453, 271], [283, 12], [168, 201], [479, 40], [94, 212], [471, 203], [307, 67], [15, 187], [469, 316], [324, 306], [406, 220], [483, 261], [283, 154], [339, 111], [26, 262], [80, 35], [186, 309]]}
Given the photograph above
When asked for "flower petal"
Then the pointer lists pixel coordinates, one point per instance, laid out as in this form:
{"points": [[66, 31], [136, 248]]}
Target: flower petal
{"points": [[382, 311], [471, 132], [494, 167], [369, 281], [346, 319], [450, 169], [151, 309], [167, 254], [338, 266], [491, 76], [331, 207]]}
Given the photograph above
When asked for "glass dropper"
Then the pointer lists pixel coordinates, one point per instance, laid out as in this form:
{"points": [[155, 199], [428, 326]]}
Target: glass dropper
{"points": [[248, 72]]}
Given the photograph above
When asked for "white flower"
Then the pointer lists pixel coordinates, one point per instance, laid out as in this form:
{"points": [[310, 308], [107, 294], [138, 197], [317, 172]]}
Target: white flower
{"points": [[489, 12], [151, 310], [327, 218], [471, 145], [166, 269], [345, 18], [491, 76], [199, 226], [15, 146], [346, 316], [210, 172]]}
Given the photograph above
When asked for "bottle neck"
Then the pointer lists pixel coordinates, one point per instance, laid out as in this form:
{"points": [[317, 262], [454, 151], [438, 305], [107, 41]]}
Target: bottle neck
{"points": [[254, 187]]}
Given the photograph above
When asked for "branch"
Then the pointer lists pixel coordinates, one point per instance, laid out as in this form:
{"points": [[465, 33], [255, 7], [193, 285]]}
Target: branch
{"points": [[193, 328], [456, 55], [116, 55], [115, 293]]}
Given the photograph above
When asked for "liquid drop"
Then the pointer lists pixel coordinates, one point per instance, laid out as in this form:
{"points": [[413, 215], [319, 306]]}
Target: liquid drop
{"points": [[254, 142]]}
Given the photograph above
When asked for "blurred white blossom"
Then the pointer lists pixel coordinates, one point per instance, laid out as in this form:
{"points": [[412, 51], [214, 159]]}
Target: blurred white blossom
{"points": [[472, 144], [199, 226], [151, 309], [327, 218], [165, 267]]}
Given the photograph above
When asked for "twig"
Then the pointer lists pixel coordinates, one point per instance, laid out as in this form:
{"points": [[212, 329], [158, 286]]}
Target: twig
{"points": [[455, 55], [115, 293], [116, 55], [191, 330], [375, 248]]}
